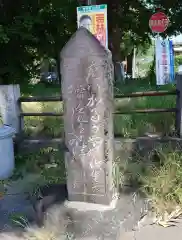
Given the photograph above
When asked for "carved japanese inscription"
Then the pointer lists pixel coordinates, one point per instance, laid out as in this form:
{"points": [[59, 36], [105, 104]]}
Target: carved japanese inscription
{"points": [[87, 95]]}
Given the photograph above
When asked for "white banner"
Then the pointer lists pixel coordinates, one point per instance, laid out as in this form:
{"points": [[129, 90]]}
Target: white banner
{"points": [[162, 53]]}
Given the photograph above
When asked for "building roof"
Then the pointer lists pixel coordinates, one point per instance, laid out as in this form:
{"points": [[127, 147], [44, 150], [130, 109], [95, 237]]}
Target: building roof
{"points": [[178, 49]]}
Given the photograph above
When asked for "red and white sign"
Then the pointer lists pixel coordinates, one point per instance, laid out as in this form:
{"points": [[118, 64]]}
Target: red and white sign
{"points": [[158, 22]]}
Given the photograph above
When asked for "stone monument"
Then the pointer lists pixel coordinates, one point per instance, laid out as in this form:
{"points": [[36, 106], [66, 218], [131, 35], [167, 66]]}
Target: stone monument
{"points": [[9, 108], [87, 90]]}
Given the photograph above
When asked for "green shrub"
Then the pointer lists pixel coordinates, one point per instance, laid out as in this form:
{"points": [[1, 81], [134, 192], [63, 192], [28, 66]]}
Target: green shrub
{"points": [[177, 61]]}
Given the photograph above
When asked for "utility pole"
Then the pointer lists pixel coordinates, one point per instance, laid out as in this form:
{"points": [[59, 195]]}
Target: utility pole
{"points": [[91, 2]]}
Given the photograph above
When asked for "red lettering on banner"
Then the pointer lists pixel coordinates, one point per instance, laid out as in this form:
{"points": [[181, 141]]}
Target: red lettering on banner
{"points": [[100, 18], [164, 61], [100, 31]]}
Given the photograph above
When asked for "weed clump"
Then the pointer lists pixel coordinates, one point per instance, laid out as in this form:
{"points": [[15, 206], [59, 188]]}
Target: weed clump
{"points": [[163, 183]]}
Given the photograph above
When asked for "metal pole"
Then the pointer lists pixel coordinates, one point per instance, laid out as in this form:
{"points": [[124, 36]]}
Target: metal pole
{"points": [[91, 2], [157, 71], [134, 64]]}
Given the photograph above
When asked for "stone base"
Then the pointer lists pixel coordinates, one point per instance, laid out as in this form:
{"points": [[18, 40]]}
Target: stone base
{"points": [[106, 223], [83, 206]]}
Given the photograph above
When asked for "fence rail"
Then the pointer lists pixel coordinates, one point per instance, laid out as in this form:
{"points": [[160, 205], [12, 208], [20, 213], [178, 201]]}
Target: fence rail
{"points": [[175, 110], [117, 96], [150, 110], [41, 114], [40, 99], [119, 112], [147, 94]]}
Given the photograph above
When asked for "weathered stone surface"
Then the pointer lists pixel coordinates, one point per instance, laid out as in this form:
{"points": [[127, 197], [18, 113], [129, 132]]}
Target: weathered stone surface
{"points": [[9, 95], [87, 76], [111, 224]]}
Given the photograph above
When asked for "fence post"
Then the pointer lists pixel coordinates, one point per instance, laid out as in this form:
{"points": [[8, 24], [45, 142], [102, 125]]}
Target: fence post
{"points": [[10, 112], [179, 103], [21, 119]]}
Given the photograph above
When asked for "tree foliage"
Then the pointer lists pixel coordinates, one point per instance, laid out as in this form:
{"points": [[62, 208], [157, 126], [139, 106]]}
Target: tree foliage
{"points": [[32, 29], [173, 9]]}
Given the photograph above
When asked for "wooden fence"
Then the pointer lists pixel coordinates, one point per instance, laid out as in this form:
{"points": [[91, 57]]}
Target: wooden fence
{"points": [[117, 96], [147, 94], [15, 115]]}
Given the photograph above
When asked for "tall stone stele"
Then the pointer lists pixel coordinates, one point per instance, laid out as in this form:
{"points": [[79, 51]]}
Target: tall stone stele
{"points": [[87, 90]]}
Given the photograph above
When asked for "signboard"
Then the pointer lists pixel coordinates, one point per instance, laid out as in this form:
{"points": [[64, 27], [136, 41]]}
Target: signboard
{"points": [[94, 18], [158, 22], [171, 53], [164, 62]]}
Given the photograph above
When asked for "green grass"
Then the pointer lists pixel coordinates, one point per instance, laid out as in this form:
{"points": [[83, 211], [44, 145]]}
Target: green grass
{"points": [[135, 125], [40, 89], [163, 184], [159, 178], [129, 125], [152, 179], [47, 162], [43, 126]]}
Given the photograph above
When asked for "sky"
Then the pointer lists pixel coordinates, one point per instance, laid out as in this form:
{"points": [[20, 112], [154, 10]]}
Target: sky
{"points": [[177, 39]]}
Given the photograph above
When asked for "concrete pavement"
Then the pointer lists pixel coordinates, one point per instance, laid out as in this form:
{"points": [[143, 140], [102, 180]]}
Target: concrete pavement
{"points": [[154, 232]]}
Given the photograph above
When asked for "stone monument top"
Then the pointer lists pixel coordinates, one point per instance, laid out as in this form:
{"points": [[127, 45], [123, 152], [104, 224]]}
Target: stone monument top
{"points": [[83, 43]]}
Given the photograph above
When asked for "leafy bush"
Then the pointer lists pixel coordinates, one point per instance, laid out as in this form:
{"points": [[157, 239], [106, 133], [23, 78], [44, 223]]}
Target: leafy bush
{"points": [[151, 76], [177, 61]]}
